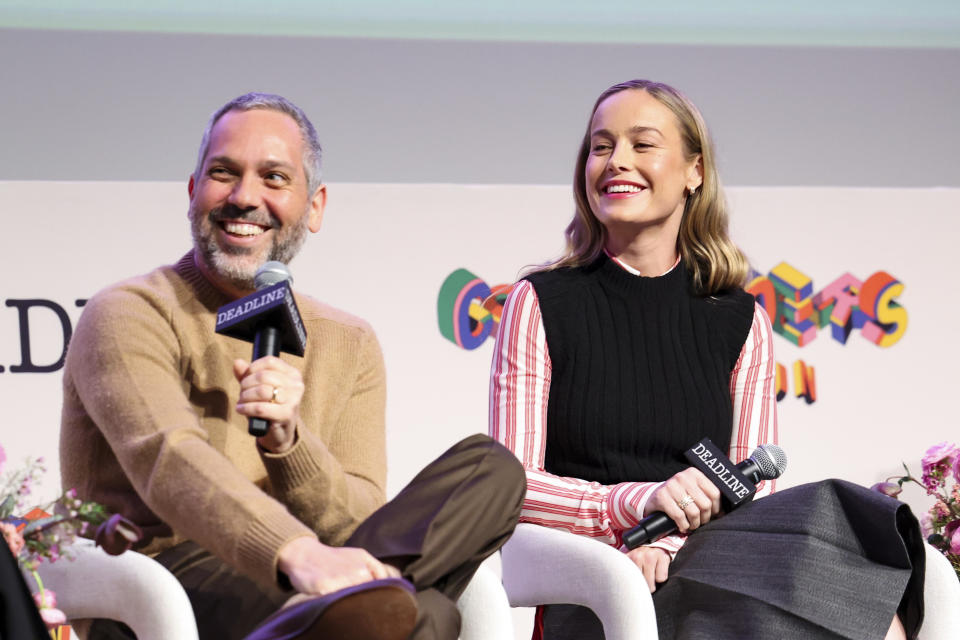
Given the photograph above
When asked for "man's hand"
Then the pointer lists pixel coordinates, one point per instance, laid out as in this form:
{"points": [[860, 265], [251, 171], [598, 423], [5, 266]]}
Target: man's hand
{"points": [[271, 389], [316, 569], [688, 498], [653, 562]]}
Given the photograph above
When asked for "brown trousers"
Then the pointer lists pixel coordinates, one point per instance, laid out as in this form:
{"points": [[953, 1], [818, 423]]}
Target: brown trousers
{"points": [[454, 514]]}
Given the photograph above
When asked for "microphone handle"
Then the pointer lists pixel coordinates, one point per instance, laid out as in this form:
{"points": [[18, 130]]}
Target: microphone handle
{"points": [[658, 524], [266, 342], [653, 527], [751, 469]]}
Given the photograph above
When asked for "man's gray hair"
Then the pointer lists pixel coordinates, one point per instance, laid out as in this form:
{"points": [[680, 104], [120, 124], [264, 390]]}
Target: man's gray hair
{"points": [[273, 102]]}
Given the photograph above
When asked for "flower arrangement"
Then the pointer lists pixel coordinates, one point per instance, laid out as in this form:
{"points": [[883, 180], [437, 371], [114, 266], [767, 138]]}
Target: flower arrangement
{"points": [[47, 532], [940, 478]]}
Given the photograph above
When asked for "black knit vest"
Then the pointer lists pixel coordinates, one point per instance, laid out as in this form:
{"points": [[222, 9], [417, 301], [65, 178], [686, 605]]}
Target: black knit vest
{"points": [[640, 369]]}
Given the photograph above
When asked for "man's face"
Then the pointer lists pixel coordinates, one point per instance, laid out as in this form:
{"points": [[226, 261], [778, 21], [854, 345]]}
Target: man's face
{"points": [[250, 201]]}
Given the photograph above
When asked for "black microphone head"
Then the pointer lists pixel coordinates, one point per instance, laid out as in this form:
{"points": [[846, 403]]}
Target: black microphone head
{"points": [[270, 273], [272, 305], [771, 460]]}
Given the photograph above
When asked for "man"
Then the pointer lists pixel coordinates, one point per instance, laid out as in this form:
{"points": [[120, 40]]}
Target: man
{"points": [[156, 407]]}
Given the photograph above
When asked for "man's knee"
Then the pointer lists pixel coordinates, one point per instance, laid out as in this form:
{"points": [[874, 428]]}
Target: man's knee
{"points": [[437, 617], [495, 463]]}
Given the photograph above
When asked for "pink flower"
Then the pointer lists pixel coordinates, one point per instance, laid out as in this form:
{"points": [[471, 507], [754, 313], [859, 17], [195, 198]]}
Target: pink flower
{"points": [[3, 457], [944, 452], [956, 470], [926, 525], [46, 601], [955, 539], [53, 618], [941, 509], [13, 538], [891, 489], [930, 483], [46, 598]]}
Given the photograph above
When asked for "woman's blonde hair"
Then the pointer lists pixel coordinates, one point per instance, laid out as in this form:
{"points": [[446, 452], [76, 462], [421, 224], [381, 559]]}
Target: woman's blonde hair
{"points": [[714, 261]]}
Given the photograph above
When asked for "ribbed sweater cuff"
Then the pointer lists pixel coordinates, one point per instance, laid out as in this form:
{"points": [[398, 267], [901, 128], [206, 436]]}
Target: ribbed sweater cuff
{"points": [[296, 466], [258, 548]]}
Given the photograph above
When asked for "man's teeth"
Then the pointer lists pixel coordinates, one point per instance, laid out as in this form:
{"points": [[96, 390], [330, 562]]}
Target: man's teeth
{"points": [[623, 188], [242, 229]]}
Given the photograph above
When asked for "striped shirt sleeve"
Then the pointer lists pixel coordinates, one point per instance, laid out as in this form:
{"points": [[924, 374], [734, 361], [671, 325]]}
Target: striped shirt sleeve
{"points": [[754, 395], [519, 393]]}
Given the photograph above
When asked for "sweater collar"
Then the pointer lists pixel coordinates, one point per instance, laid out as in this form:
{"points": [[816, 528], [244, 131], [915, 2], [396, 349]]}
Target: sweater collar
{"points": [[672, 283], [203, 289]]}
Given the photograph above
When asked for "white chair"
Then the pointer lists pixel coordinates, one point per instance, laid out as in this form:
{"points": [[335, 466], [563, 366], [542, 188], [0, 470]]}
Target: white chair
{"points": [[941, 595], [141, 593], [130, 587], [484, 610], [548, 566]]}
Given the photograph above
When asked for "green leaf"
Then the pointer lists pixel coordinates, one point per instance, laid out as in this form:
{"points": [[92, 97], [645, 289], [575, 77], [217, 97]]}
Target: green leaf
{"points": [[7, 507], [92, 512], [37, 525]]}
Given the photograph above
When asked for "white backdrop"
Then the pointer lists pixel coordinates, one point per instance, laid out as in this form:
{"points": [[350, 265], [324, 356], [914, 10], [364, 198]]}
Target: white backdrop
{"points": [[384, 251]]}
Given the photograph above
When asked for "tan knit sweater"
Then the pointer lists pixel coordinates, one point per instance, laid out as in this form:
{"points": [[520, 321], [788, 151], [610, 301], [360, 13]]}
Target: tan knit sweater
{"points": [[149, 427]]}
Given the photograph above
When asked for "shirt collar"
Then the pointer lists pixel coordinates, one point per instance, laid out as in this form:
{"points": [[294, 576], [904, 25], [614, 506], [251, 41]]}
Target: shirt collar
{"points": [[623, 265]]}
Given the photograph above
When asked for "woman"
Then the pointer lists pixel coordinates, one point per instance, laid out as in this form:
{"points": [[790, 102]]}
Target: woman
{"points": [[653, 344]]}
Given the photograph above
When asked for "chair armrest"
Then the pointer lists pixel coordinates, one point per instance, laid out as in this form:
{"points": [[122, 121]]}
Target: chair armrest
{"points": [[484, 610], [550, 566], [130, 587], [941, 596]]}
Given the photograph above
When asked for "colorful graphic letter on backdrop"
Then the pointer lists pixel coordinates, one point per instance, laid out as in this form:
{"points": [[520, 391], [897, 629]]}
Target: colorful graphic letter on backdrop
{"points": [[797, 313], [468, 309]]}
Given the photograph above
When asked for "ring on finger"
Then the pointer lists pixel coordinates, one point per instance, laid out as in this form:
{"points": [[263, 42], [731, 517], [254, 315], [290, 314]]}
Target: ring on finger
{"points": [[685, 501], [275, 397]]}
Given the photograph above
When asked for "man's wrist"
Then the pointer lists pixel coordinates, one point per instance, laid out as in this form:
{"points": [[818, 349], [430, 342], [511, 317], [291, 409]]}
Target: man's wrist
{"points": [[283, 448]]}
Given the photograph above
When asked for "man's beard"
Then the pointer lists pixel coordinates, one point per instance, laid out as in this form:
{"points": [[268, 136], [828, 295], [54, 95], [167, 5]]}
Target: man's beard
{"points": [[238, 265]]}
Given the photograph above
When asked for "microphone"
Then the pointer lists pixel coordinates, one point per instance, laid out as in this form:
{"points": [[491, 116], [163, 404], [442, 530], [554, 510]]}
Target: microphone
{"points": [[737, 483], [269, 318]]}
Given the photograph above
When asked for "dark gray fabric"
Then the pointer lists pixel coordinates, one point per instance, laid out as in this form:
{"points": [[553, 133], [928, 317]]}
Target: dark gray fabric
{"points": [[571, 622], [823, 561]]}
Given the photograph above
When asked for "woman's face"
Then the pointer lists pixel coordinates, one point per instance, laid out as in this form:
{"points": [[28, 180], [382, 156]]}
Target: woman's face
{"points": [[636, 169]]}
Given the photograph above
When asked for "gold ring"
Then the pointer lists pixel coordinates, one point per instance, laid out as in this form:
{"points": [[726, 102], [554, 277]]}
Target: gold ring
{"points": [[685, 501], [275, 398]]}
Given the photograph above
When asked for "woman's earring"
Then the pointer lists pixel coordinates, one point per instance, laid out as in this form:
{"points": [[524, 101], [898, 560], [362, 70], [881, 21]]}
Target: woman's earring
{"points": [[692, 190]]}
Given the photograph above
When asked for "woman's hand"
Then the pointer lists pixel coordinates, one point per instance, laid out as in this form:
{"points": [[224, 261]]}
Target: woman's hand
{"points": [[653, 562], [688, 498]]}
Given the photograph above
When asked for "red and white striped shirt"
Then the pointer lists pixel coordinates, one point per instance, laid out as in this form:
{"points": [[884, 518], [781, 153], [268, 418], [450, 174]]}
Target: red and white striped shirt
{"points": [[519, 393]]}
